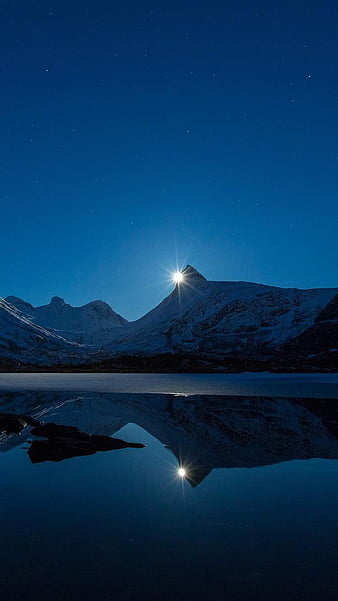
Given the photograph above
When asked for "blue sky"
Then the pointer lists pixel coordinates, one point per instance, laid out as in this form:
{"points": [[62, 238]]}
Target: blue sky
{"points": [[133, 133]]}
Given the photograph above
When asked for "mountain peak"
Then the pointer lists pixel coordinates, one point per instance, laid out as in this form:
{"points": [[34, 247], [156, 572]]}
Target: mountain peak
{"points": [[191, 273], [14, 299], [19, 303], [57, 302]]}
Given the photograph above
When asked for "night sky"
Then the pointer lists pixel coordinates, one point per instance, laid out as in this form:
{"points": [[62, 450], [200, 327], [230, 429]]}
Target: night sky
{"points": [[136, 134]]}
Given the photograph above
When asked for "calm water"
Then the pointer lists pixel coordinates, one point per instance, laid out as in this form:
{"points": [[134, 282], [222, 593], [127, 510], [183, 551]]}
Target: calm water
{"points": [[290, 385], [254, 518]]}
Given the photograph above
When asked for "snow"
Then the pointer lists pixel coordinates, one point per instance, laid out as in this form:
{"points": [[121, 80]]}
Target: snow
{"points": [[201, 317], [91, 324], [24, 341], [223, 317]]}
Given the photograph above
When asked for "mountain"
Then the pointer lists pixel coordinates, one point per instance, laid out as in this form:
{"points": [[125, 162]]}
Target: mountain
{"points": [[92, 324], [202, 432], [242, 324], [23, 341], [321, 338], [228, 318]]}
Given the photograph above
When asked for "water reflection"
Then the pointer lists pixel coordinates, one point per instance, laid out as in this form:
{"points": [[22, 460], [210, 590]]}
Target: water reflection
{"points": [[63, 442], [202, 432], [182, 472]]}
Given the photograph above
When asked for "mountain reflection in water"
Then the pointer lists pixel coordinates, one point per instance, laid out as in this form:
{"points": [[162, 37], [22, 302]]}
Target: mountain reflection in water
{"points": [[63, 442], [202, 432]]}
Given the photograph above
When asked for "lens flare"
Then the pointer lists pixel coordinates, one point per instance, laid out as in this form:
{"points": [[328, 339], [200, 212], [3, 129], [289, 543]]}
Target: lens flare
{"points": [[181, 472], [178, 277]]}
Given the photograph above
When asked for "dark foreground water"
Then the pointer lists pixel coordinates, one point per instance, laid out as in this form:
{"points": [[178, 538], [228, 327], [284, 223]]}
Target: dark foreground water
{"points": [[254, 516]]}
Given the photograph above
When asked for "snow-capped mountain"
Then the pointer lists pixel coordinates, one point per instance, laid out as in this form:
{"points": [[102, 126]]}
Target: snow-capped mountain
{"points": [[321, 338], [93, 323], [224, 318], [202, 432], [21, 340], [200, 318]]}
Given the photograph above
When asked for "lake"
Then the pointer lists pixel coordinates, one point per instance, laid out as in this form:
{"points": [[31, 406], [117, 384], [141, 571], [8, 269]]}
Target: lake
{"points": [[171, 488]]}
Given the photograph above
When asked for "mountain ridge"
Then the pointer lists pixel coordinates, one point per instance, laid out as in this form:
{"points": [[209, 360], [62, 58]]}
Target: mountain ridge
{"points": [[205, 318], [88, 324]]}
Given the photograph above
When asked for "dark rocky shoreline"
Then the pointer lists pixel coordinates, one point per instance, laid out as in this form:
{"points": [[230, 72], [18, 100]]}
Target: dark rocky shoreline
{"points": [[187, 363]]}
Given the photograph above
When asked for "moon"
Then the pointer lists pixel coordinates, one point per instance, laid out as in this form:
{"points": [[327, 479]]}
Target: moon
{"points": [[178, 277]]}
